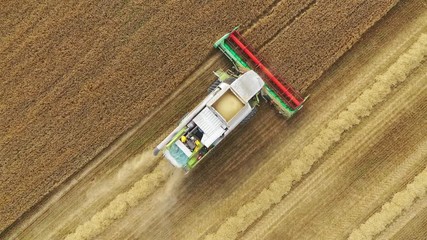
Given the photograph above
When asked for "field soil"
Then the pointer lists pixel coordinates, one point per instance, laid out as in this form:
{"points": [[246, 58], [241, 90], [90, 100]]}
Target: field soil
{"points": [[89, 88]]}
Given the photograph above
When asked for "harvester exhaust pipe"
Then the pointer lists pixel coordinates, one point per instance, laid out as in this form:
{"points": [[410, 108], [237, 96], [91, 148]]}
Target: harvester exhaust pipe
{"points": [[156, 151]]}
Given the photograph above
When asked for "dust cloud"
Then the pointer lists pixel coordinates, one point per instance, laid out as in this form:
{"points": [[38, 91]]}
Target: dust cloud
{"points": [[119, 206], [131, 167], [361, 107]]}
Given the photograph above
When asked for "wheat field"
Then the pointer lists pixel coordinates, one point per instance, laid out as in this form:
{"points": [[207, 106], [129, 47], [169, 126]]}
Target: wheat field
{"points": [[89, 88]]}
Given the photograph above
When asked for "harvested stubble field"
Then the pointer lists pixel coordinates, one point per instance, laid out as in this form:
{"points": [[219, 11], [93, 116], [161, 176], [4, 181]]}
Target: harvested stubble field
{"points": [[89, 87]]}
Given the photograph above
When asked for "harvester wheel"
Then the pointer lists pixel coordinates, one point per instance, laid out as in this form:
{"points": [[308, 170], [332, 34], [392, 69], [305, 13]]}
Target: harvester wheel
{"points": [[213, 86], [250, 116]]}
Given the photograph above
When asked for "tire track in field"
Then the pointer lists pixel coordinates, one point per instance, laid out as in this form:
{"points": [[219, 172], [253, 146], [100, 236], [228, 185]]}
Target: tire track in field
{"points": [[348, 118], [297, 16], [267, 24], [267, 11], [400, 202], [119, 206]]}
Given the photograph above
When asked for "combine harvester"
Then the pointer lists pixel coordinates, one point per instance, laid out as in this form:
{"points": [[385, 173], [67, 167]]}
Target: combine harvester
{"points": [[233, 99]]}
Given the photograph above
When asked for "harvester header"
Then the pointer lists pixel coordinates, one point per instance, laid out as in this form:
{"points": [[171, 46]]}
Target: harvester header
{"points": [[245, 57], [233, 99]]}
